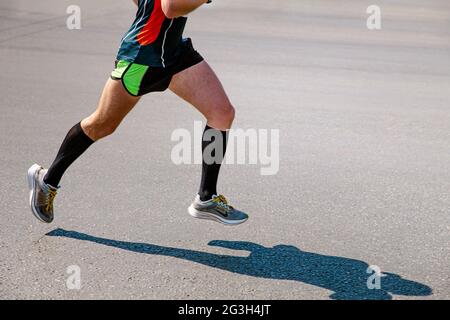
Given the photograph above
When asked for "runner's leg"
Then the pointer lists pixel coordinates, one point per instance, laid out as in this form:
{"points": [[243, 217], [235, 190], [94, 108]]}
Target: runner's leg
{"points": [[200, 86], [114, 105]]}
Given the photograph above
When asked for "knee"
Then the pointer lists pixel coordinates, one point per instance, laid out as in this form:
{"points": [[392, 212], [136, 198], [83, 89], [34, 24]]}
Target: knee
{"points": [[97, 129], [222, 116], [229, 113]]}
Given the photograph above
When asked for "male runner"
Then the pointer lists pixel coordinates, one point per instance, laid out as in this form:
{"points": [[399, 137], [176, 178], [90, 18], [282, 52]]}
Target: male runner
{"points": [[153, 56]]}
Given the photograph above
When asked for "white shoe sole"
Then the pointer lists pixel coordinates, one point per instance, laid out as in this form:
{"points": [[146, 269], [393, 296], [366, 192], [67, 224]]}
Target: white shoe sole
{"points": [[209, 216], [32, 185]]}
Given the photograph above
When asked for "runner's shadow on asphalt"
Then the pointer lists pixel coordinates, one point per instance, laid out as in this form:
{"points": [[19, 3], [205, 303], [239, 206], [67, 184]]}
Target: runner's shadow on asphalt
{"points": [[347, 278]]}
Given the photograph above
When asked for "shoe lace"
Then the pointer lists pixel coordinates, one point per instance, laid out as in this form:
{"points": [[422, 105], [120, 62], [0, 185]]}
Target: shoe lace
{"points": [[222, 202], [49, 199]]}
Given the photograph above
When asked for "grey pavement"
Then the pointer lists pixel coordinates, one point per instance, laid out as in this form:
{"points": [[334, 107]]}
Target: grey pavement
{"points": [[364, 178]]}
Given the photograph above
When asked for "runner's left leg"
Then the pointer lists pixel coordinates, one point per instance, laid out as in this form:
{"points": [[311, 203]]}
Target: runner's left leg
{"points": [[114, 105]]}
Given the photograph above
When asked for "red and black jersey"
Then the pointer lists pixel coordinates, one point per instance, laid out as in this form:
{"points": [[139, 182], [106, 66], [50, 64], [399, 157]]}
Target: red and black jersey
{"points": [[153, 39]]}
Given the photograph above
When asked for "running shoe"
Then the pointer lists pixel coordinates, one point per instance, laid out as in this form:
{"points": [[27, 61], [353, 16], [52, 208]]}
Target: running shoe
{"points": [[217, 209], [42, 195]]}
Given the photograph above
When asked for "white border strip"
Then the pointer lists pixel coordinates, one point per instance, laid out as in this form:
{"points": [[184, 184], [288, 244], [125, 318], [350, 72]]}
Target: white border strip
{"points": [[164, 42]]}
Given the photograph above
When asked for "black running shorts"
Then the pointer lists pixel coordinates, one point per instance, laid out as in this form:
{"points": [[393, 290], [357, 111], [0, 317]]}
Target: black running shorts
{"points": [[140, 79]]}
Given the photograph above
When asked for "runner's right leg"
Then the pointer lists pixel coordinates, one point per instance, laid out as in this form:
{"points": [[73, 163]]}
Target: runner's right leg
{"points": [[115, 103]]}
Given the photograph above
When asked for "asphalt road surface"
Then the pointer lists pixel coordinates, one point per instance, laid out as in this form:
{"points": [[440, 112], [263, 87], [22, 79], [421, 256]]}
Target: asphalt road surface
{"points": [[364, 173]]}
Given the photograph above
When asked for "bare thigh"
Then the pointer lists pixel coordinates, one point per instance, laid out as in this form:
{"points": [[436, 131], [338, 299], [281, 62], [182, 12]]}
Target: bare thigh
{"points": [[200, 86], [115, 103]]}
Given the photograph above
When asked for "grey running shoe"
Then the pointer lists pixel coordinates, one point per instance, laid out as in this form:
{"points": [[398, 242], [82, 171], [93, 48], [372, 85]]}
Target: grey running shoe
{"points": [[41, 194], [217, 209]]}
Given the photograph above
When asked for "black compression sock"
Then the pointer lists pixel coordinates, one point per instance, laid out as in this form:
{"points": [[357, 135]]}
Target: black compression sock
{"points": [[73, 146], [213, 140]]}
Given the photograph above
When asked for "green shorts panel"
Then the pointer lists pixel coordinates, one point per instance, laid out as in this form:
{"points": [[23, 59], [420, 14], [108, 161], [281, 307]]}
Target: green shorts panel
{"points": [[140, 79], [131, 75]]}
